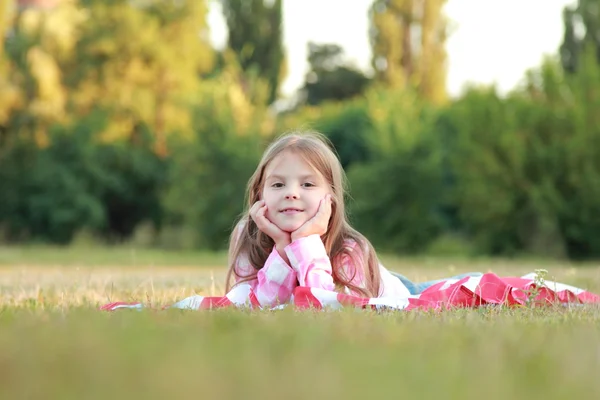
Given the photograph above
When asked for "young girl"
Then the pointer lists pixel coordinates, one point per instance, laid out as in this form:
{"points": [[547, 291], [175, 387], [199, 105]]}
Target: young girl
{"points": [[295, 230]]}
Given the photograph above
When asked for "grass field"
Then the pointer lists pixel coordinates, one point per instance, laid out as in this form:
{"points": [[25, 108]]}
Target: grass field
{"points": [[54, 344]]}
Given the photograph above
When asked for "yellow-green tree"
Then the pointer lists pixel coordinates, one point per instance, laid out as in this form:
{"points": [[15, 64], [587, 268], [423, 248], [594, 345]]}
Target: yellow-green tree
{"points": [[8, 92], [32, 93], [141, 62], [408, 43]]}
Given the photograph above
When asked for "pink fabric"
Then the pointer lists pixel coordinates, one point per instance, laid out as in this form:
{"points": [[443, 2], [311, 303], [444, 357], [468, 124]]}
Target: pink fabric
{"points": [[470, 292]]}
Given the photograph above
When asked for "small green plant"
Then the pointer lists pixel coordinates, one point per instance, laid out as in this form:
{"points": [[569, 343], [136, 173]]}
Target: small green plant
{"points": [[538, 282]]}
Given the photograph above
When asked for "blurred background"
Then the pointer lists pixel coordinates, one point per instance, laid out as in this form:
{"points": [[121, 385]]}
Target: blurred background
{"points": [[466, 127]]}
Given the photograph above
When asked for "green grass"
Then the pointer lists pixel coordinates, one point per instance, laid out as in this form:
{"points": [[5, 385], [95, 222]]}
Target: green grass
{"points": [[121, 256], [347, 355], [55, 344]]}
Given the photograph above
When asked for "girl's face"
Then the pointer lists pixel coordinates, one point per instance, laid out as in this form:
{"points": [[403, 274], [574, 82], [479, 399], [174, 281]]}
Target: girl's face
{"points": [[292, 191]]}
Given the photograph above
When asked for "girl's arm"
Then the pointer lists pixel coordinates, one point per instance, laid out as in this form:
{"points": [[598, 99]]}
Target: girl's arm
{"points": [[308, 265], [273, 284], [309, 260]]}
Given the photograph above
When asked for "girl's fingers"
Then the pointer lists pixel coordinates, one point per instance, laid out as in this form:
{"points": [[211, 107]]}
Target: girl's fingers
{"points": [[321, 205], [263, 221], [262, 211], [325, 206], [258, 213], [324, 213], [254, 208]]}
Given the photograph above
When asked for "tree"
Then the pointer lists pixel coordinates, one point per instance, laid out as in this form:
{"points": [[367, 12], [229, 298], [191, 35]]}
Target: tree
{"points": [[76, 183], [33, 92], [141, 61], [208, 175], [9, 93], [255, 36], [407, 41], [330, 78], [403, 151], [4, 4], [582, 29]]}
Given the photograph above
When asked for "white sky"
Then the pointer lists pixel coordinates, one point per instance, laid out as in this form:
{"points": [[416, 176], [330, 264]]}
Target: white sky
{"points": [[494, 41]]}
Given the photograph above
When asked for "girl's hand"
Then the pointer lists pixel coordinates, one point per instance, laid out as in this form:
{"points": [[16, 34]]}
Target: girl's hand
{"points": [[258, 214], [318, 224]]}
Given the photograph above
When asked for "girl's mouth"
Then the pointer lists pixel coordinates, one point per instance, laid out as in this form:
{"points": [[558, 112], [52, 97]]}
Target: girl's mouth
{"points": [[291, 210]]}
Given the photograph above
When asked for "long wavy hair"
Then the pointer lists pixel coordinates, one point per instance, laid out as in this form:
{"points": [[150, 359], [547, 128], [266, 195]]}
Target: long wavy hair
{"points": [[248, 241]]}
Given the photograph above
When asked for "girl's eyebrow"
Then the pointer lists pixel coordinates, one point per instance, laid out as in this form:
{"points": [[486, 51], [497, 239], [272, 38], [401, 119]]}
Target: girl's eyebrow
{"points": [[280, 177]]}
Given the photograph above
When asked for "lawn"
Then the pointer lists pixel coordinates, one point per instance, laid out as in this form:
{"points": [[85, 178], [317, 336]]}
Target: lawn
{"points": [[54, 344]]}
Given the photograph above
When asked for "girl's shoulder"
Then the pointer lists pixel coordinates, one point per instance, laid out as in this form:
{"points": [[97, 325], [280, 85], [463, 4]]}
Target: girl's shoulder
{"points": [[356, 247], [350, 244], [355, 241], [353, 245], [238, 229]]}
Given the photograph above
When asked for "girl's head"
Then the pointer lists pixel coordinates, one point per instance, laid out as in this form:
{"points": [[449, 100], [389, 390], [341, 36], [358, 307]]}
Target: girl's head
{"points": [[295, 173]]}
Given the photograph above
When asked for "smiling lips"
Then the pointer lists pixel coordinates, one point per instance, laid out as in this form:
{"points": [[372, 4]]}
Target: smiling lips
{"points": [[291, 210]]}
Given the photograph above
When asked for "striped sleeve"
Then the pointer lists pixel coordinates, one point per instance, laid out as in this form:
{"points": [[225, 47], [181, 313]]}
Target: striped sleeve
{"points": [[273, 284], [308, 257]]}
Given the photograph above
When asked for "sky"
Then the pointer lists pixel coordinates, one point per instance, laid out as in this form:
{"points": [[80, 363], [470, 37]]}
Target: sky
{"points": [[492, 42]]}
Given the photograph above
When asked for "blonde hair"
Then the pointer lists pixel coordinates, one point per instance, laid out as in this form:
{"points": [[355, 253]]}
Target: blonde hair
{"points": [[246, 239]]}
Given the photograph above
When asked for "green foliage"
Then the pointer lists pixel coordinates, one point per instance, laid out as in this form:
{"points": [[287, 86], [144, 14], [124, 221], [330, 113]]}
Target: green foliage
{"points": [[397, 192], [76, 183], [483, 152], [46, 194], [582, 24], [347, 130], [580, 178], [207, 185], [330, 77], [408, 45], [208, 174], [526, 167], [124, 62], [507, 162], [395, 201], [256, 37], [346, 125], [114, 117]]}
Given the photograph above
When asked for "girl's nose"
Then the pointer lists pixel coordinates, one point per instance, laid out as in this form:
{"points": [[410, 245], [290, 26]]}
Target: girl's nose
{"points": [[291, 196]]}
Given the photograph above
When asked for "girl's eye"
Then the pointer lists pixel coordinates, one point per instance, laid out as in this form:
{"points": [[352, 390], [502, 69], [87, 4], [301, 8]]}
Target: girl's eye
{"points": [[308, 184], [277, 185]]}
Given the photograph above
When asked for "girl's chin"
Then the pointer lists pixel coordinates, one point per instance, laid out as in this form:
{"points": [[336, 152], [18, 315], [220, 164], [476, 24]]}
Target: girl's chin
{"points": [[288, 225], [289, 228]]}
